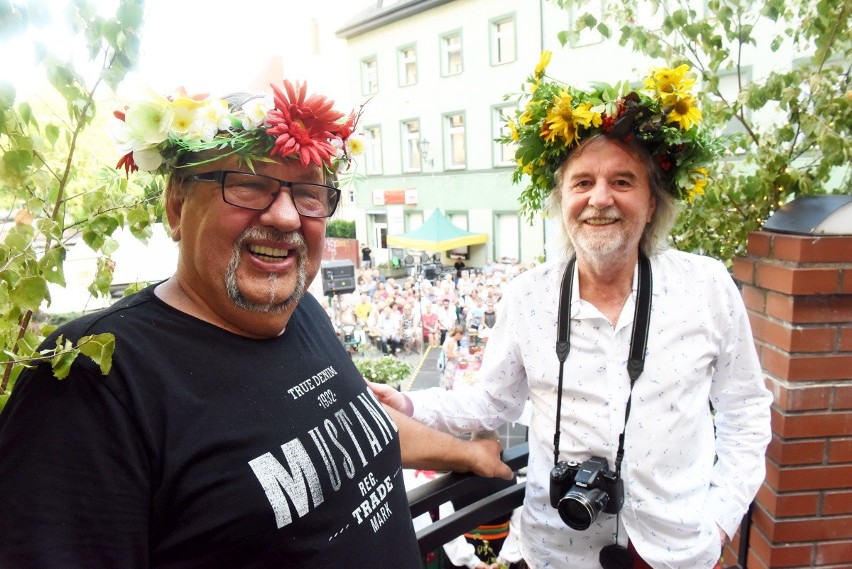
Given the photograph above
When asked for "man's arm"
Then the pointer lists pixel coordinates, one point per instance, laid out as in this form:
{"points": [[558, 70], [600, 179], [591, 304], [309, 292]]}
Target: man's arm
{"points": [[428, 449]]}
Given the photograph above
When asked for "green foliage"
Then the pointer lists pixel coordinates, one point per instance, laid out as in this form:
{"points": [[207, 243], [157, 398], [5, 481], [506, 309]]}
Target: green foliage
{"points": [[55, 190], [386, 369], [340, 228], [793, 124]]}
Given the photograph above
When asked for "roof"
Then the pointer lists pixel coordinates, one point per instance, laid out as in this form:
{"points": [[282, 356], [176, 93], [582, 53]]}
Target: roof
{"points": [[380, 15]]}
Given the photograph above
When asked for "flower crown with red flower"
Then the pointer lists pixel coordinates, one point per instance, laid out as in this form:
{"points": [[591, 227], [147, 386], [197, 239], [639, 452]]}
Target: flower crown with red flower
{"points": [[156, 134], [663, 117]]}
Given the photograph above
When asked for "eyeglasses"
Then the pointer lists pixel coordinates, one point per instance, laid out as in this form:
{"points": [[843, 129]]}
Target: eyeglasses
{"points": [[258, 192]]}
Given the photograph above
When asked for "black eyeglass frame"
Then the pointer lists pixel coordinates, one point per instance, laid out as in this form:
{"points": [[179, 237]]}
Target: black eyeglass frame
{"points": [[219, 176]]}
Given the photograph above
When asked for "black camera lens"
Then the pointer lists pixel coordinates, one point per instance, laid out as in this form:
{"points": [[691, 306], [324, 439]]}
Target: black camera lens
{"points": [[581, 506]]}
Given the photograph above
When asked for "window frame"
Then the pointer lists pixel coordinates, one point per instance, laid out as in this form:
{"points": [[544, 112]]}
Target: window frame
{"points": [[446, 51], [373, 155], [495, 39], [368, 87], [403, 61], [412, 161], [498, 127], [450, 131]]}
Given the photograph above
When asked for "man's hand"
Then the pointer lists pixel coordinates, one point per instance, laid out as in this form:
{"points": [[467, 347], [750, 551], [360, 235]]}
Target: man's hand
{"points": [[429, 449], [485, 459], [390, 397]]}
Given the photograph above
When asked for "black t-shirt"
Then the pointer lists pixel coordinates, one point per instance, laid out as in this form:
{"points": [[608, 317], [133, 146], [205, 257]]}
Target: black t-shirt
{"points": [[201, 448]]}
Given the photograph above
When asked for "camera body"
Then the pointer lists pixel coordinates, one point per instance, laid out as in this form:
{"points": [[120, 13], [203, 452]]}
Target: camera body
{"points": [[581, 491]]}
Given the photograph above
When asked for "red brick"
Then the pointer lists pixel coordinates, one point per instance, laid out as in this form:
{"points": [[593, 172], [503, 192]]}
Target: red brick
{"points": [[802, 398], [837, 553], [810, 425], [760, 244], [778, 555], [809, 339], [846, 281], [836, 503], [839, 450], [788, 505], [810, 249], [845, 339], [795, 280], [755, 562], [789, 453], [806, 368], [813, 529], [798, 479], [825, 309], [842, 397], [743, 270], [754, 298]]}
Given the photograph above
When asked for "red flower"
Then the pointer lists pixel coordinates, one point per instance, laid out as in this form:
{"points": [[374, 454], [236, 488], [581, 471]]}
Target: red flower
{"points": [[665, 163], [127, 163], [304, 126]]}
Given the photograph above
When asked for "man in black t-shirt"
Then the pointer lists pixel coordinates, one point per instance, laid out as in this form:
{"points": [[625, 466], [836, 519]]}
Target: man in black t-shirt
{"points": [[366, 256], [232, 429]]}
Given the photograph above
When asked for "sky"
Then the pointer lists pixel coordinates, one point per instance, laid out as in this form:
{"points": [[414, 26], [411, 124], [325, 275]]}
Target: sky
{"points": [[210, 47]]}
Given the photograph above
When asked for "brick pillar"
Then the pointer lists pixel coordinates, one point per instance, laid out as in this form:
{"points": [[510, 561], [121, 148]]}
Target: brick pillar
{"points": [[798, 291]]}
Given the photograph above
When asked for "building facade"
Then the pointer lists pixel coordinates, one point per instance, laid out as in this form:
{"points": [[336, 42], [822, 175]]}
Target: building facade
{"points": [[435, 75]]}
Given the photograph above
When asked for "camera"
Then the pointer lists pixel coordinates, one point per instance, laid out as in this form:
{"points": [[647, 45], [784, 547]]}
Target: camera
{"points": [[581, 491]]}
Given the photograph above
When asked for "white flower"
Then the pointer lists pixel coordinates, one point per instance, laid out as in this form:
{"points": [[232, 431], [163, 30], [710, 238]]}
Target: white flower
{"points": [[211, 117], [255, 112], [149, 121], [147, 159], [356, 144]]}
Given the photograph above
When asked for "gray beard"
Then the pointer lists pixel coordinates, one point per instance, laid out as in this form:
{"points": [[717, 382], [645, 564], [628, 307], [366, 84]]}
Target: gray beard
{"points": [[273, 305]]}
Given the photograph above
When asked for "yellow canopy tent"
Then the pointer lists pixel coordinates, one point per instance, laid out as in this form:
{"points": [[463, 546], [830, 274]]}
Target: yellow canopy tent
{"points": [[437, 234]]}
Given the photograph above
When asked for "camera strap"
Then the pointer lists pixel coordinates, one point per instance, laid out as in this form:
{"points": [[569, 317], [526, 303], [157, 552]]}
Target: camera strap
{"points": [[638, 344]]}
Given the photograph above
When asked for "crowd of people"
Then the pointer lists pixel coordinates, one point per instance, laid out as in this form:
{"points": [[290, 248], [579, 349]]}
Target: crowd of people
{"points": [[404, 316]]}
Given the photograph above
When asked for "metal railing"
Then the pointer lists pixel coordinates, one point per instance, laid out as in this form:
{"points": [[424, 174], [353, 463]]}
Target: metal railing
{"points": [[499, 497]]}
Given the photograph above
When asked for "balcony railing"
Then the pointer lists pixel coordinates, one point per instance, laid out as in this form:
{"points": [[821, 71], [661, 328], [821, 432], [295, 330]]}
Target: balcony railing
{"points": [[499, 497]]}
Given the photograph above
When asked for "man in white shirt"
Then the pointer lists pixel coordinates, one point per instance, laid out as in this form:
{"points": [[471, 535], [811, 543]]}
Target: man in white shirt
{"points": [[688, 470]]}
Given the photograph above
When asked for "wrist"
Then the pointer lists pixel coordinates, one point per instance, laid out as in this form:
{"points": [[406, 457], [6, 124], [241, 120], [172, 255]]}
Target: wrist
{"points": [[407, 406]]}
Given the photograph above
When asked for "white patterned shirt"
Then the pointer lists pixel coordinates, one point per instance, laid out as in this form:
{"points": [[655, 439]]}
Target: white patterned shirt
{"points": [[700, 351]]}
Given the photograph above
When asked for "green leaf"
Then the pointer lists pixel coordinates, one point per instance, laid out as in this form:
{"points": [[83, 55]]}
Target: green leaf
{"points": [[17, 161], [29, 292], [7, 95], [100, 348], [51, 132], [51, 266], [63, 358]]}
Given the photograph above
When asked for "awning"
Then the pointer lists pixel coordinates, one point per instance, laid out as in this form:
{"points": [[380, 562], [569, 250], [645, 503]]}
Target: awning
{"points": [[437, 234]]}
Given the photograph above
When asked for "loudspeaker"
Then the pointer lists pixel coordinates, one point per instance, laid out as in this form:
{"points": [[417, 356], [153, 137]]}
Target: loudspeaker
{"points": [[430, 272], [338, 277]]}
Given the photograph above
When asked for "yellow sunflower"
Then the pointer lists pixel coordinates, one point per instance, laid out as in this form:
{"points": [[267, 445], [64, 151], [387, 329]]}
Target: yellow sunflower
{"points": [[585, 116], [543, 62], [559, 122], [699, 181], [684, 111], [667, 81], [513, 129]]}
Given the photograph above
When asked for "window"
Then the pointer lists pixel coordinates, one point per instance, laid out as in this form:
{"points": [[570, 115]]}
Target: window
{"points": [[459, 220], [455, 141], [407, 66], [373, 150], [507, 238], [503, 40], [451, 54], [411, 161], [504, 154], [369, 76]]}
